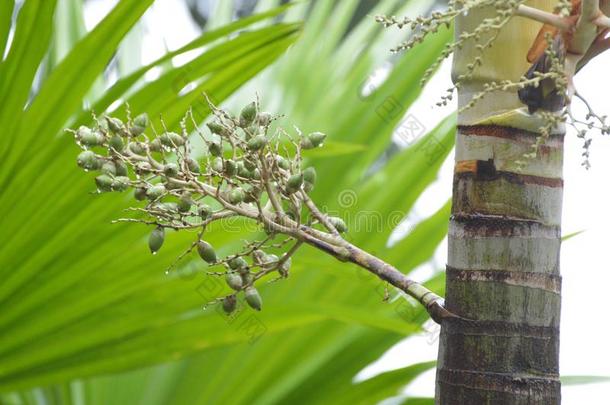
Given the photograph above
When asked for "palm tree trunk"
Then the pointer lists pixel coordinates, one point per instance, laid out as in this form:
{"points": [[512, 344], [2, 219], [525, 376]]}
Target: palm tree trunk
{"points": [[504, 240]]}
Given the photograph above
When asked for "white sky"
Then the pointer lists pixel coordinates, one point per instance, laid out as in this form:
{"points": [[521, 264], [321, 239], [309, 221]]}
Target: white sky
{"points": [[586, 274]]}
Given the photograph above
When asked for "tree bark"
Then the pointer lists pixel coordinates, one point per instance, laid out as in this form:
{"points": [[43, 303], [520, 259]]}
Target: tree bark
{"points": [[504, 240]]}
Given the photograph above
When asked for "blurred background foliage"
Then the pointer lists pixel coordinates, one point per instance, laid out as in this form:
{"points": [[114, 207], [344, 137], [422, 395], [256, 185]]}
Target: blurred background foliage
{"points": [[89, 317]]}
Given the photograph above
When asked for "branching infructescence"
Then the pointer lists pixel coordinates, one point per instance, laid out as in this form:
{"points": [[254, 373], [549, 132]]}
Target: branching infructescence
{"points": [[247, 171], [575, 33]]}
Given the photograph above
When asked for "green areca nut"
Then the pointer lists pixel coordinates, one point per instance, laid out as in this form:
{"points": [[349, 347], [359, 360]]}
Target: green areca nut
{"points": [[193, 165], [234, 281], [217, 165], [155, 192], [171, 169], [253, 298], [115, 125], [230, 167], [247, 115], [139, 124], [236, 195], [116, 143], [120, 183], [317, 138], [206, 251], [204, 211], [229, 304], [215, 148], [257, 143], [171, 139], [156, 239], [139, 193], [216, 128], [185, 203], [104, 182], [282, 163], [238, 263], [294, 183]]}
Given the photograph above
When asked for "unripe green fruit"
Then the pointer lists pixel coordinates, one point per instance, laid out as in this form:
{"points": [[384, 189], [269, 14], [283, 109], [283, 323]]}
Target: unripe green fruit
{"points": [[141, 120], [246, 277], [338, 223], [90, 138], [155, 192], [230, 167], [104, 182], [171, 185], [193, 165], [259, 257], [282, 163], [171, 140], [238, 263], [88, 160], [137, 148], [255, 174], [121, 168], [115, 125], [216, 128], [317, 138], [83, 132], [242, 171], [306, 143], [310, 175], [136, 130], [217, 165], [270, 261], [257, 143], [103, 125], [185, 203], [234, 281], [121, 183], [109, 168], [139, 193], [248, 115], [143, 167], [155, 145], [236, 196], [215, 148], [171, 169], [156, 239], [251, 193], [263, 119], [249, 164], [116, 143], [253, 298], [204, 211], [139, 125], [206, 252], [294, 183], [307, 187], [229, 304]]}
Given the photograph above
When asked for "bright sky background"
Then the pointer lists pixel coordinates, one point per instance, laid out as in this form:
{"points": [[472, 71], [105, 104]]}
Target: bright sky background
{"points": [[585, 332]]}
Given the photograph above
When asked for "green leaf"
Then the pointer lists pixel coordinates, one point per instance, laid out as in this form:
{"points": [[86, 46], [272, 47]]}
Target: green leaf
{"points": [[583, 379], [32, 37], [379, 387], [571, 235], [6, 14], [66, 86], [125, 83]]}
